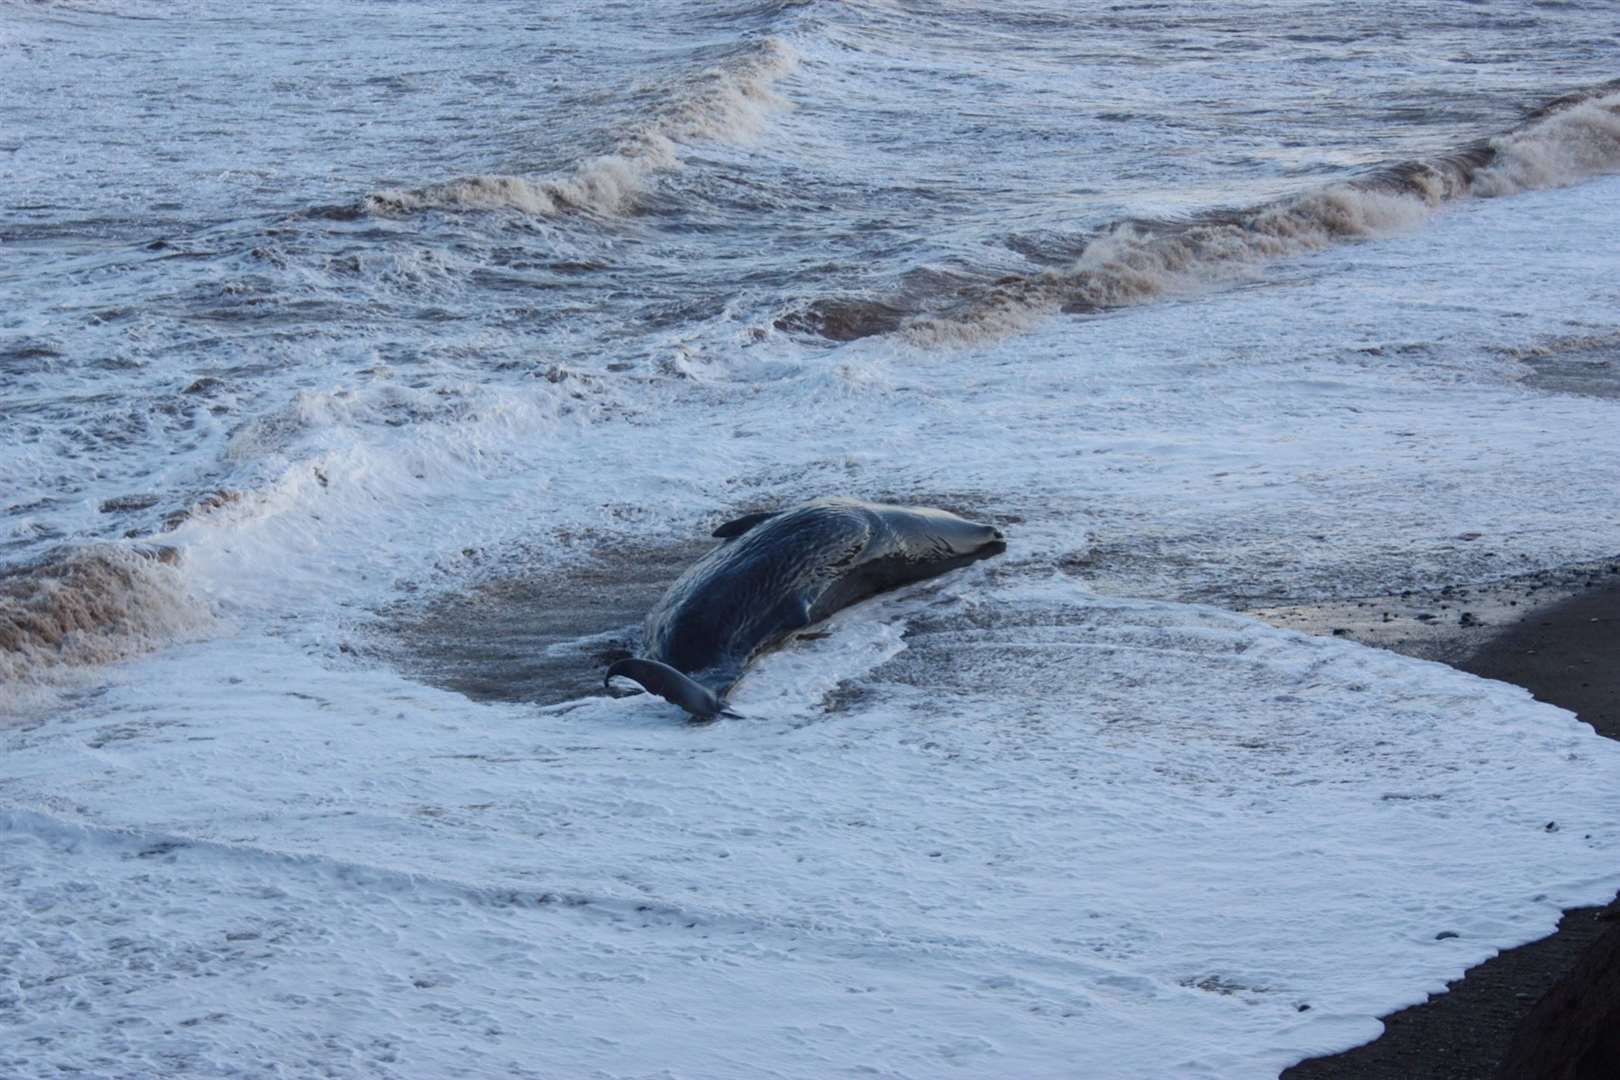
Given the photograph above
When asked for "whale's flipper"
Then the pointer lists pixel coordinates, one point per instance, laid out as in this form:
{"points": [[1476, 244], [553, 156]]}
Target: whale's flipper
{"points": [[672, 686], [732, 529]]}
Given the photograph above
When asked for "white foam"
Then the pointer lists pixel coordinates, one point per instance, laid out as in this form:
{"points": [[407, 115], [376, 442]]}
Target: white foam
{"points": [[1027, 850]]}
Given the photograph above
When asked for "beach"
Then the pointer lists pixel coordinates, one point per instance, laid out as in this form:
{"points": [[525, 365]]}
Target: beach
{"points": [[1565, 652]]}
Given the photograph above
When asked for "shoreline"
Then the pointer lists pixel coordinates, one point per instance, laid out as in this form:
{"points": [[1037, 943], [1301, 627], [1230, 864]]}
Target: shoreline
{"points": [[1557, 635], [1535, 630]]}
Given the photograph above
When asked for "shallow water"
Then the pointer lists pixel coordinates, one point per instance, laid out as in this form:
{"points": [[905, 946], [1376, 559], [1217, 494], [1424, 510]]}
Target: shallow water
{"points": [[383, 361]]}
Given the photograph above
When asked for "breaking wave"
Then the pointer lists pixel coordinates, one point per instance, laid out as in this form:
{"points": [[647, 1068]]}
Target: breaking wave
{"points": [[727, 103], [77, 608], [1564, 142]]}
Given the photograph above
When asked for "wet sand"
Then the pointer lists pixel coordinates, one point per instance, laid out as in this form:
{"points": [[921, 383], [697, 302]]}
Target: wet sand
{"points": [[1489, 1023]]}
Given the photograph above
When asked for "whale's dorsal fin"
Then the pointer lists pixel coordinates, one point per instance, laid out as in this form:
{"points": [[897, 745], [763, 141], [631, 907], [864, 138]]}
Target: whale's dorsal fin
{"points": [[671, 685], [733, 529]]}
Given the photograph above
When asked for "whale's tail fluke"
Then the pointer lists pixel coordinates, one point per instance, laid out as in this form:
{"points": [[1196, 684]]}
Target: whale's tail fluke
{"points": [[671, 685]]}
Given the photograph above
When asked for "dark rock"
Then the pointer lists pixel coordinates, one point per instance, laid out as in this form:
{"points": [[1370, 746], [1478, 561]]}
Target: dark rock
{"points": [[1573, 1032]]}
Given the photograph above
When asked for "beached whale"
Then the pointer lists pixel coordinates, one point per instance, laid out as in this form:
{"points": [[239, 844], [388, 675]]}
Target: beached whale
{"points": [[778, 573]]}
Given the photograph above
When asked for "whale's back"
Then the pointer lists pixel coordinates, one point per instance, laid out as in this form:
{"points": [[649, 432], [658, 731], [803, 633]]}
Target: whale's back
{"points": [[751, 592]]}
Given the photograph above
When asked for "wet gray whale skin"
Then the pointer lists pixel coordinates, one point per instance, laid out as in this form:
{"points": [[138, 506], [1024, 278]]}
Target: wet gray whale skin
{"points": [[774, 574]]}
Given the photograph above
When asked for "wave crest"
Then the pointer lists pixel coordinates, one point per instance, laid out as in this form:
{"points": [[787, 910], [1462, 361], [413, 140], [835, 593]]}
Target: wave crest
{"points": [[81, 607], [1570, 140], [728, 103]]}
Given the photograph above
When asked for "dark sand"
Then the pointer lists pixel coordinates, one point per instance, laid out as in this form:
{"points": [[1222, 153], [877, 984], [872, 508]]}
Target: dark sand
{"points": [[1566, 653]]}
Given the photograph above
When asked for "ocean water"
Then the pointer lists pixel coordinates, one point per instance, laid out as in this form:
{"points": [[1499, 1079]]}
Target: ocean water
{"points": [[367, 369]]}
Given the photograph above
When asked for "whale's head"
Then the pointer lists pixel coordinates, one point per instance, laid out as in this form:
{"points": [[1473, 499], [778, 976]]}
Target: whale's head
{"points": [[938, 538]]}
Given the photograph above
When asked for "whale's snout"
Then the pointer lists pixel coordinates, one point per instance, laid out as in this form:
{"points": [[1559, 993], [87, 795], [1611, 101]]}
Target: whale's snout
{"points": [[943, 537], [982, 541]]}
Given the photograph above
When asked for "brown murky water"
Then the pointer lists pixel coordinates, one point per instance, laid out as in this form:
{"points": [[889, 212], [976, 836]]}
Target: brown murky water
{"points": [[542, 636]]}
